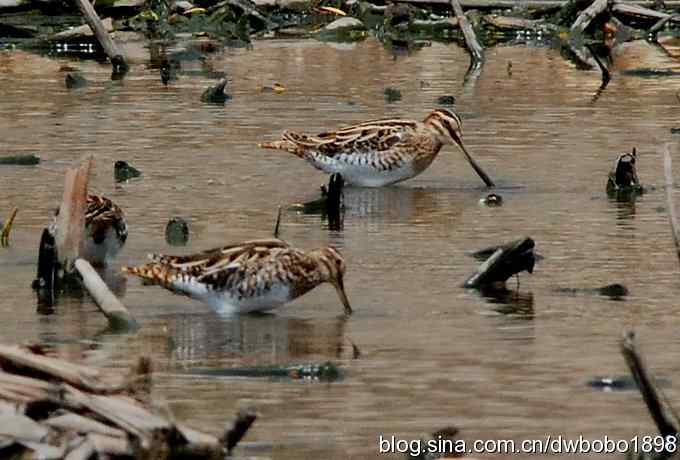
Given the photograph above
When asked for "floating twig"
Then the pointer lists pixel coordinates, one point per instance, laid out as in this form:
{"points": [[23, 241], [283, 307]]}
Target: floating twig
{"points": [[503, 262], [7, 228]]}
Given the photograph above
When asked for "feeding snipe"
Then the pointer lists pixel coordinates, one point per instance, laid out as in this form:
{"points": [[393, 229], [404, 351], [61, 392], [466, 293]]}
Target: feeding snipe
{"points": [[255, 275], [380, 152], [105, 230]]}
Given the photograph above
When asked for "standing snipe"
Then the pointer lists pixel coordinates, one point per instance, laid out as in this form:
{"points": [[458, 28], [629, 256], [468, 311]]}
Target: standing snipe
{"points": [[105, 230], [380, 152], [256, 275]]}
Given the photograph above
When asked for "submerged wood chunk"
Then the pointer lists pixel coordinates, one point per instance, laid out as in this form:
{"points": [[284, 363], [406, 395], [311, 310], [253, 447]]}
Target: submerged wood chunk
{"points": [[503, 262]]}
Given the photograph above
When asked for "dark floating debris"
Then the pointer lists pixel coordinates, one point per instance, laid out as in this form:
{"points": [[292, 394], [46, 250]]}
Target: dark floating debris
{"points": [[446, 100], [675, 130], [614, 291], [492, 200], [177, 232], [215, 94], [623, 179], [330, 205], [621, 383], [123, 171], [392, 94], [503, 262], [75, 80], [327, 371], [20, 160]]}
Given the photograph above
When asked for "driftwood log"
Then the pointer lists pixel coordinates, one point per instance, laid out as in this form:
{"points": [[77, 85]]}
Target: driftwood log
{"points": [[62, 410], [502, 262], [586, 17]]}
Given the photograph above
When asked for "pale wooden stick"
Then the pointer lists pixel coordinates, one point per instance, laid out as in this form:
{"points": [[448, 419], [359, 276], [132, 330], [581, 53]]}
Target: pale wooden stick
{"points": [[71, 219], [119, 317]]}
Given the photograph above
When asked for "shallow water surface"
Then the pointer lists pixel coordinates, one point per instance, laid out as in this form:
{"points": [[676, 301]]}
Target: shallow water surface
{"points": [[432, 354]]}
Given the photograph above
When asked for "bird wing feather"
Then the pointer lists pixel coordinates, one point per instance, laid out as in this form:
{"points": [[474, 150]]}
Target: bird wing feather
{"points": [[370, 136]]}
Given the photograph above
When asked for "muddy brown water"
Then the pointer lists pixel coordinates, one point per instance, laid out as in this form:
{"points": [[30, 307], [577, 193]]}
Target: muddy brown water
{"points": [[432, 354]]}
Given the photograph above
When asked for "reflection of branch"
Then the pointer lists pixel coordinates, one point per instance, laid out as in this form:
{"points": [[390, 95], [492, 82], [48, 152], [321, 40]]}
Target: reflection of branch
{"points": [[606, 76]]}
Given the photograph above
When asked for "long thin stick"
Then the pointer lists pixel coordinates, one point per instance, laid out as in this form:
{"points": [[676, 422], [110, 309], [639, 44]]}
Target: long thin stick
{"points": [[668, 170], [119, 317]]}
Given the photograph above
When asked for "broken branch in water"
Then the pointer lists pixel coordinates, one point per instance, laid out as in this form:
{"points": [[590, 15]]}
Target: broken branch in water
{"points": [[672, 216], [118, 316], [586, 17], [7, 228], [244, 419], [473, 46], [115, 55], [71, 220], [502, 262], [661, 411]]}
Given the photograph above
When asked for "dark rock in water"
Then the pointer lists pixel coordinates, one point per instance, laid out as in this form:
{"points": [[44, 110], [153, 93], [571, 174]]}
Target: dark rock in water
{"points": [[215, 94], [675, 130], [20, 160], [75, 80], [620, 383], [492, 199], [446, 100], [166, 71], [623, 178], [392, 94], [177, 232], [504, 261], [615, 291], [123, 171]]}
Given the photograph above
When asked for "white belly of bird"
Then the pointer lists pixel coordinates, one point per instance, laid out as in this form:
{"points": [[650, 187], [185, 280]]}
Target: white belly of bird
{"points": [[102, 254], [228, 303], [363, 173]]}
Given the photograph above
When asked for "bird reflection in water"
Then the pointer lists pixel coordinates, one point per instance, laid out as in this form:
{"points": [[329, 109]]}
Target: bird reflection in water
{"points": [[257, 339], [510, 302]]}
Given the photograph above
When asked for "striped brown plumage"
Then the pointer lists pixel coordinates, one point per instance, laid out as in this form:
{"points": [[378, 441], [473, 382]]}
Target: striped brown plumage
{"points": [[253, 275], [377, 152]]}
